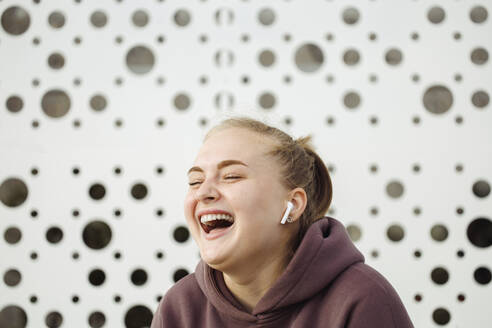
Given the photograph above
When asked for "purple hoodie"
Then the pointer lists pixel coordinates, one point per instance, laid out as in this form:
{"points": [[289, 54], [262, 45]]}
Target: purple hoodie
{"points": [[326, 284]]}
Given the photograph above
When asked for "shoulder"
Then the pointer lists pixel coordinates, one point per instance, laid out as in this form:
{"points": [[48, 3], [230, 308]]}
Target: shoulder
{"points": [[180, 303]]}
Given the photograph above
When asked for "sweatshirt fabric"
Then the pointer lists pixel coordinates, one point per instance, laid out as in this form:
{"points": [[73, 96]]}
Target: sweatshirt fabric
{"points": [[326, 284]]}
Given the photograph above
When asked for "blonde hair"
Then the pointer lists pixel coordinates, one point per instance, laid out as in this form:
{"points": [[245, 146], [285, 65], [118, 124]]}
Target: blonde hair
{"points": [[301, 167]]}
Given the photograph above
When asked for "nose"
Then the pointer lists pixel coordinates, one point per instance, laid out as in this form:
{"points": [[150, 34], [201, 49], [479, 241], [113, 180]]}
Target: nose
{"points": [[207, 191]]}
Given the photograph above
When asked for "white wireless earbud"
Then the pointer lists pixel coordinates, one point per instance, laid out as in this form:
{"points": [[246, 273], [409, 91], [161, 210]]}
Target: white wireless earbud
{"points": [[290, 206]]}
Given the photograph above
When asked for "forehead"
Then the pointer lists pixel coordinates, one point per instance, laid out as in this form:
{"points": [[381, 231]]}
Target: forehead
{"points": [[235, 143]]}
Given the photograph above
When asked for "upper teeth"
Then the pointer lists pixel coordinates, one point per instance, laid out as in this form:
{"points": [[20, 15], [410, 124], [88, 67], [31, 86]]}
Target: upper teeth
{"points": [[212, 217]]}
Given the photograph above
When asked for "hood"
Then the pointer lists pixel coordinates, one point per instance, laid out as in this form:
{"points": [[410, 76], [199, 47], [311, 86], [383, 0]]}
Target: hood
{"points": [[324, 252]]}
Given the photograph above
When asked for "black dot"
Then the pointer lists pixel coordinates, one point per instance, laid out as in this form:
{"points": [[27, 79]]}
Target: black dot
{"points": [[75, 299], [179, 274], [97, 191], [482, 275], [97, 234], [13, 313], [138, 316], [479, 232], [97, 277], [54, 235], [13, 192], [53, 319], [181, 234], [139, 277], [97, 319], [441, 316], [440, 275], [139, 191]]}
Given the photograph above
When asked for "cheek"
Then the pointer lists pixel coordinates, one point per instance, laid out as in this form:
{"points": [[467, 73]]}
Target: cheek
{"points": [[189, 206]]}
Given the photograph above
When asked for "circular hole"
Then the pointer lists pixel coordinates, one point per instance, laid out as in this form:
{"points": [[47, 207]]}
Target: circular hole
{"points": [[139, 277], [418, 297], [53, 319], [99, 19], [354, 232], [309, 57], [414, 36], [266, 16], [478, 14], [374, 254], [267, 100], [417, 253], [54, 235], [351, 57], [55, 103], [140, 60], [482, 275], [393, 57], [12, 277], [34, 256], [56, 60], [13, 313], [13, 192], [461, 297], [12, 235], [15, 20], [56, 19], [117, 298], [97, 319], [372, 36], [32, 299], [159, 255], [14, 104], [182, 101], [75, 299], [139, 191], [438, 99], [97, 277], [479, 56], [117, 255], [481, 188], [480, 99], [266, 58], [440, 275], [374, 211], [181, 234], [140, 18], [96, 234], [439, 232], [98, 102], [329, 36], [460, 253], [436, 15], [138, 316], [479, 232], [182, 17], [97, 191], [350, 15], [394, 189], [441, 316], [351, 100], [179, 273], [395, 232]]}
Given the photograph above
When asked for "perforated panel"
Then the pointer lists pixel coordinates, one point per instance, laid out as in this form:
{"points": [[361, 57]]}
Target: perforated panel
{"points": [[104, 105]]}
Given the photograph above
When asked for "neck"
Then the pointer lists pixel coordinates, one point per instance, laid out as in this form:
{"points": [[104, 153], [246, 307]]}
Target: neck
{"points": [[249, 284]]}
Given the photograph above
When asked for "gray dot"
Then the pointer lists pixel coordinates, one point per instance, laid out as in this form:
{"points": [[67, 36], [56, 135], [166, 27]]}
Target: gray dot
{"points": [[182, 17], [55, 103], [98, 102], [13, 316], [480, 99], [351, 100], [309, 57], [478, 14], [12, 235], [438, 99], [15, 20], [394, 189], [13, 192], [56, 19], [479, 56], [439, 232], [395, 232], [97, 319], [350, 15], [99, 19], [436, 15], [393, 57], [440, 275], [441, 316], [267, 100], [351, 57], [266, 58], [224, 57], [481, 188], [14, 104], [140, 18], [12, 277], [140, 60], [53, 319], [56, 60], [354, 232], [182, 101], [266, 16]]}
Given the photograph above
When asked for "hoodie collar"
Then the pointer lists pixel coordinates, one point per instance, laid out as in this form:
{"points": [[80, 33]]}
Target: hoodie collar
{"points": [[325, 251]]}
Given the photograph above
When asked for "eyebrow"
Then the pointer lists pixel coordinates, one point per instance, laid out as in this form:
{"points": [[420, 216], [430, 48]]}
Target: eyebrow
{"points": [[219, 166]]}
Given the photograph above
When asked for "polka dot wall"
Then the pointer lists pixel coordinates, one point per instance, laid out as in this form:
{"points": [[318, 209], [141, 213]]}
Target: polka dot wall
{"points": [[103, 105]]}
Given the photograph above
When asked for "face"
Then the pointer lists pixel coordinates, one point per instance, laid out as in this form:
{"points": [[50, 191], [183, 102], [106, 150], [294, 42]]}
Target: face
{"points": [[232, 173]]}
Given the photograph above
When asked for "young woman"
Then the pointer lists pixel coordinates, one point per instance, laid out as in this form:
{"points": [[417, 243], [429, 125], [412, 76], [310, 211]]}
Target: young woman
{"points": [[269, 256]]}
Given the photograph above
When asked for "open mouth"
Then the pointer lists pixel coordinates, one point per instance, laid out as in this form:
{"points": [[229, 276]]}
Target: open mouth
{"points": [[210, 222]]}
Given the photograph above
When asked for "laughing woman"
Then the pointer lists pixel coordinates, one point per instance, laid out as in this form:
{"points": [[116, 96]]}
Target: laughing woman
{"points": [[269, 257]]}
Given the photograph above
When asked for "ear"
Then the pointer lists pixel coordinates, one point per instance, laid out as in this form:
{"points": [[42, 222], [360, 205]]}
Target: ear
{"points": [[298, 198]]}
